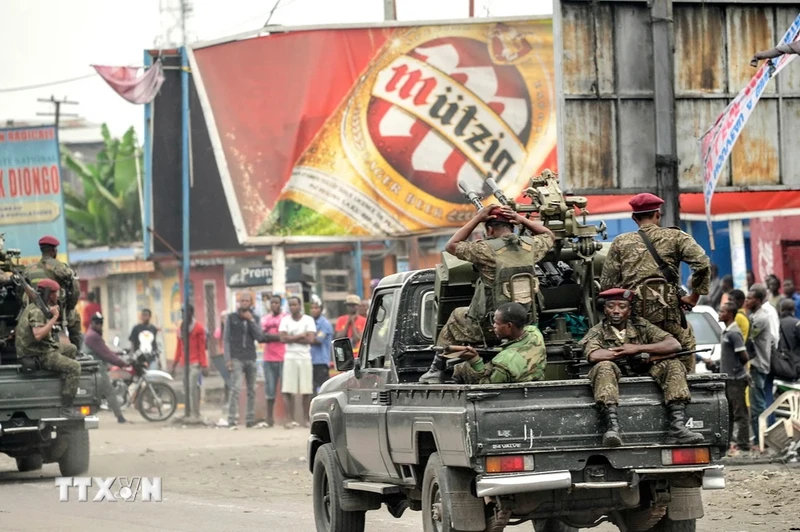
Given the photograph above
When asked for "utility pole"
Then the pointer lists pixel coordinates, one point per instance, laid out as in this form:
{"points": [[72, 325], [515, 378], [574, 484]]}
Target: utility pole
{"points": [[57, 109], [663, 37]]}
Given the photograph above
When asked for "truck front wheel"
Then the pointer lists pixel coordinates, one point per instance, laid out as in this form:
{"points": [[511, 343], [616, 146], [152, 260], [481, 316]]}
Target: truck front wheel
{"points": [[328, 487]]}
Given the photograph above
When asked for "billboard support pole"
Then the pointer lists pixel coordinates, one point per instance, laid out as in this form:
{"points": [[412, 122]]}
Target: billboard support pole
{"points": [[664, 92], [185, 258], [148, 169]]}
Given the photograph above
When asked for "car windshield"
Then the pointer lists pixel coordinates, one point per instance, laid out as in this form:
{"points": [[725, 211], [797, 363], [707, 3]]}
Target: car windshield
{"points": [[706, 331]]}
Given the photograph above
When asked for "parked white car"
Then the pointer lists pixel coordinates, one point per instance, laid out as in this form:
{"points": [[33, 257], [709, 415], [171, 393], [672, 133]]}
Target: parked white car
{"points": [[707, 333]]}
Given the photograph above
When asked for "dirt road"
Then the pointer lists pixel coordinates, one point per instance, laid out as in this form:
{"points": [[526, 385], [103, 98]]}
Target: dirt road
{"points": [[257, 479]]}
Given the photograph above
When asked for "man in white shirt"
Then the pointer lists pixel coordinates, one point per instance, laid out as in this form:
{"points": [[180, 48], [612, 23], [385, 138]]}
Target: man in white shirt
{"points": [[772, 314], [297, 332]]}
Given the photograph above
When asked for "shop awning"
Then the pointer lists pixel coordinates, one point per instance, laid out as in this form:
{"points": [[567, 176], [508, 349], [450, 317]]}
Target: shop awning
{"points": [[725, 206]]}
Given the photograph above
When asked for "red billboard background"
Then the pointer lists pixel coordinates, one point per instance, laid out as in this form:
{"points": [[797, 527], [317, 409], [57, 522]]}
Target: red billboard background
{"points": [[267, 99]]}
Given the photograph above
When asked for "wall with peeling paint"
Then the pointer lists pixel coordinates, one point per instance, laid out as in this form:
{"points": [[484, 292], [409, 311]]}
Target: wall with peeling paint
{"points": [[609, 130]]}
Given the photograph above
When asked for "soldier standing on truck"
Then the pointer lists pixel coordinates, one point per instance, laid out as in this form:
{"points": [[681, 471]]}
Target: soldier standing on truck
{"points": [[49, 267], [503, 253], [620, 336], [523, 356], [36, 339], [648, 263]]}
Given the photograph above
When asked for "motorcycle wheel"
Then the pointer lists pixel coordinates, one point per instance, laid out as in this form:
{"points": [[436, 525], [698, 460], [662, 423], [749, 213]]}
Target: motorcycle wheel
{"points": [[157, 402]]}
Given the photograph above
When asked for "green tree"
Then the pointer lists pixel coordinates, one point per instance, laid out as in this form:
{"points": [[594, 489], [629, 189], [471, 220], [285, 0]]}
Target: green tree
{"points": [[107, 211]]}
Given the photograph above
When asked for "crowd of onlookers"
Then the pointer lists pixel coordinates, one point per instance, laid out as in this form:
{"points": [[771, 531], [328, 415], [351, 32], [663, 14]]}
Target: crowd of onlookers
{"points": [[296, 354], [760, 344]]}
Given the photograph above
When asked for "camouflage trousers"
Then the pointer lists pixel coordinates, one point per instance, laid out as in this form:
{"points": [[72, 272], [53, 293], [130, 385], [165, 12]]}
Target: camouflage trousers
{"points": [[74, 328], [460, 329], [63, 361], [669, 374], [686, 339]]}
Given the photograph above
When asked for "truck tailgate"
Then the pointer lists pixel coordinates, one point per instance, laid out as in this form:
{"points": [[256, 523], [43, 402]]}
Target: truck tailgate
{"points": [[562, 416], [38, 393]]}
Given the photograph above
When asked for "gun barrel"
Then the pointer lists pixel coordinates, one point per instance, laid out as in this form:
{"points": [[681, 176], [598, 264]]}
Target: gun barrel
{"points": [[470, 195], [497, 191]]}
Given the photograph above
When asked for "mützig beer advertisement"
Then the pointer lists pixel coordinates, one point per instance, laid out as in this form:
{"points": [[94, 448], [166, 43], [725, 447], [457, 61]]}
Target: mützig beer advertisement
{"points": [[342, 133]]}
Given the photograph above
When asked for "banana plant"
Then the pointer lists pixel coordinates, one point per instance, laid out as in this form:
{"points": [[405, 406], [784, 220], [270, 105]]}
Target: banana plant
{"points": [[106, 212]]}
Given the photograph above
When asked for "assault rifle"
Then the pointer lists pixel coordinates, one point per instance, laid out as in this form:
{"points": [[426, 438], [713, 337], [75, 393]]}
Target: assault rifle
{"points": [[450, 352], [647, 358], [33, 295], [628, 365]]}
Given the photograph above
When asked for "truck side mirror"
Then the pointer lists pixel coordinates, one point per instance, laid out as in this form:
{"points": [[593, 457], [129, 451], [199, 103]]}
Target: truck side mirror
{"points": [[343, 354]]}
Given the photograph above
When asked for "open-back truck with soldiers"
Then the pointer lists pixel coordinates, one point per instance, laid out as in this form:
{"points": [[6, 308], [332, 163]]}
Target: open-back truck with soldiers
{"points": [[484, 457], [32, 429]]}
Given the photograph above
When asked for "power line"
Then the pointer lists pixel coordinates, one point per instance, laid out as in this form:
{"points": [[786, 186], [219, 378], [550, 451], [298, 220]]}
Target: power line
{"points": [[46, 84]]}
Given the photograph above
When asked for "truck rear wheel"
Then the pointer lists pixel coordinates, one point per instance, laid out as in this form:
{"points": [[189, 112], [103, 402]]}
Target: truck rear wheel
{"points": [[75, 460], [32, 462], [328, 487], [435, 514], [668, 525], [552, 525]]}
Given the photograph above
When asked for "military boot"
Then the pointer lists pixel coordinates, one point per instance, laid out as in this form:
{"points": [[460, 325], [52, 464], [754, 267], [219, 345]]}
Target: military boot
{"points": [[678, 433], [611, 438], [435, 375]]}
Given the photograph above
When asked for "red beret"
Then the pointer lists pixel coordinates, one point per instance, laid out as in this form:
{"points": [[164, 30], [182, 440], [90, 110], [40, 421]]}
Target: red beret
{"points": [[48, 283], [49, 241], [499, 216], [616, 293], [645, 202]]}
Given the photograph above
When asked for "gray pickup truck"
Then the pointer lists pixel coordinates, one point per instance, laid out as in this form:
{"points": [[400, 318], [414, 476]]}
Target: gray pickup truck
{"points": [[480, 458], [30, 427]]}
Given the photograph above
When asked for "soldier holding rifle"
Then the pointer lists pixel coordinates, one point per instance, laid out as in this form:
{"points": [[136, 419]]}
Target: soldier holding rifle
{"points": [[621, 337], [648, 261]]}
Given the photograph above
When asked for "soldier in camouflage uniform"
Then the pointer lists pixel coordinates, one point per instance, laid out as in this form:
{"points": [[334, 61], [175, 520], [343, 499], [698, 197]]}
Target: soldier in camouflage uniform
{"points": [[35, 337], [502, 250], [521, 360], [49, 267], [618, 336], [630, 265]]}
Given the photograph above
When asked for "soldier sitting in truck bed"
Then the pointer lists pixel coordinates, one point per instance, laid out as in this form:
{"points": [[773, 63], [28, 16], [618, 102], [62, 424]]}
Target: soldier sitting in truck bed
{"points": [[619, 336], [502, 254], [523, 356], [35, 338]]}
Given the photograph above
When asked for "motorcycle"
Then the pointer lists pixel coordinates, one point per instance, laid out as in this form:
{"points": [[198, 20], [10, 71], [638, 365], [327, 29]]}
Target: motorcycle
{"points": [[148, 389]]}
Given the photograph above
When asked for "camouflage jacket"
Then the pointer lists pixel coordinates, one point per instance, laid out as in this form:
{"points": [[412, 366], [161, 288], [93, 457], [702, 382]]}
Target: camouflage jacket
{"points": [[25, 342], [481, 254], [637, 331], [523, 360], [629, 263], [49, 268]]}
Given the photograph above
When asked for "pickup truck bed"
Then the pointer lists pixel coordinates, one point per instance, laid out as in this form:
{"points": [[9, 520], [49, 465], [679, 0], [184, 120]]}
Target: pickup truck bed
{"points": [[31, 429]]}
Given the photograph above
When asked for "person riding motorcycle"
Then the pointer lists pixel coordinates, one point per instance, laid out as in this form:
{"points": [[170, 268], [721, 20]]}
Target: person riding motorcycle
{"points": [[94, 345]]}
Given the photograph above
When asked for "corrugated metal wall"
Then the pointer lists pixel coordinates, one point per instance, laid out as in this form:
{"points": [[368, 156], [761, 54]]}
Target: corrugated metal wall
{"points": [[608, 129]]}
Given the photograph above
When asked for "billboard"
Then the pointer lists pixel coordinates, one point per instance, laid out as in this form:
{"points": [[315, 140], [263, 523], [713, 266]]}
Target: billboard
{"points": [[31, 198], [366, 132]]}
